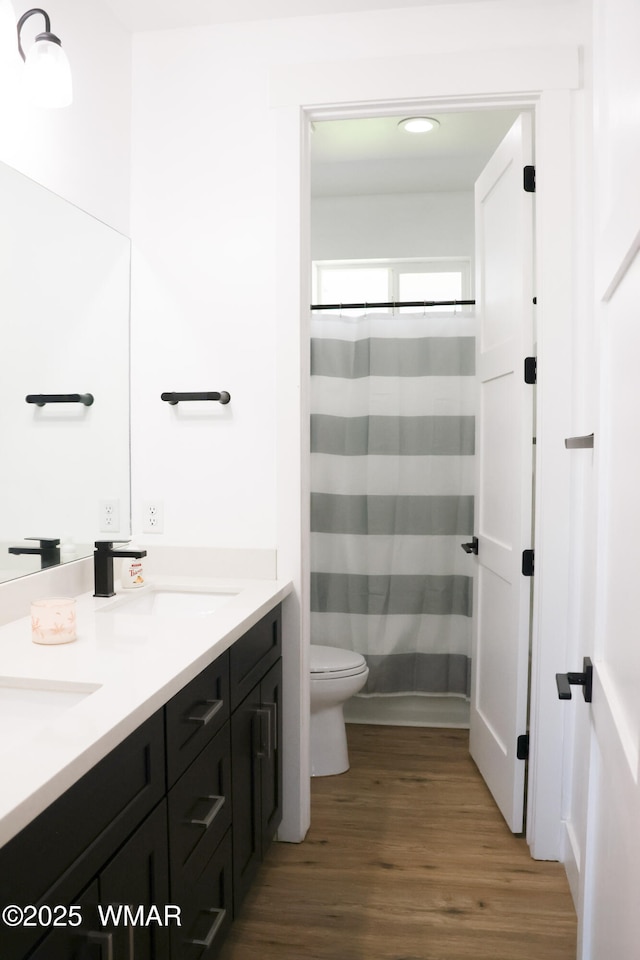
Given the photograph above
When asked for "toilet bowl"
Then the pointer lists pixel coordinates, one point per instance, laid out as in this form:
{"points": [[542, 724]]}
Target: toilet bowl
{"points": [[336, 675]]}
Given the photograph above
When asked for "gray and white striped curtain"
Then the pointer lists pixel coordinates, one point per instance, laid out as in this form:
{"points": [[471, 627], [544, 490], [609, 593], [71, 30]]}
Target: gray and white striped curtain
{"points": [[392, 476]]}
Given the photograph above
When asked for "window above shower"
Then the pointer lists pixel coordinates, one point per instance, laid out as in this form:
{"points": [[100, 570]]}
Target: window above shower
{"points": [[380, 281]]}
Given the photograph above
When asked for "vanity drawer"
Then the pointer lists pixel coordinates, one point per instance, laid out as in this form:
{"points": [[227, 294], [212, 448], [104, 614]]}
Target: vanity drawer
{"points": [[253, 654], [195, 715], [206, 909], [199, 811]]}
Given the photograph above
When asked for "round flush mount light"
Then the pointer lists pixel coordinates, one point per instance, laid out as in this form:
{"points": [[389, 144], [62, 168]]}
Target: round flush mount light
{"points": [[419, 124]]}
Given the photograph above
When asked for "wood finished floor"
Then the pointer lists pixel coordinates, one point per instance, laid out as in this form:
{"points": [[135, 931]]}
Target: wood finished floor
{"points": [[407, 858]]}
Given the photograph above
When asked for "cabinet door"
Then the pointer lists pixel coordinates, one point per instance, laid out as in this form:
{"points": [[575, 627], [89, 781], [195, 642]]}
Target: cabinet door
{"points": [[88, 942], [138, 877], [271, 757], [245, 780], [256, 776]]}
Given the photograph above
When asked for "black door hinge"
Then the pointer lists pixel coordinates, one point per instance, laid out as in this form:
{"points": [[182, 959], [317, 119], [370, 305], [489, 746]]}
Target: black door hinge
{"points": [[522, 749], [529, 179], [527, 563], [530, 369]]}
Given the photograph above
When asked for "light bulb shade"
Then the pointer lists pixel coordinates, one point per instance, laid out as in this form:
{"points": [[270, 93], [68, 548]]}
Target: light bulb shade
{"points": [[47, 73]]}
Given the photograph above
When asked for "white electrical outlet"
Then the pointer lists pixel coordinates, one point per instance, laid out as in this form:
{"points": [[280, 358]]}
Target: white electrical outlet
{"points": [[109, 516], [152, 516]]}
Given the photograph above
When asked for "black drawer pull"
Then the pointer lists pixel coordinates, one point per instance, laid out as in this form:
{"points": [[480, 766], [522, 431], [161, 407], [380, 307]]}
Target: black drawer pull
{"points": [[265, 742], [210, 708], [211, 815], [210, 937], [273, 724], [104, 941]]}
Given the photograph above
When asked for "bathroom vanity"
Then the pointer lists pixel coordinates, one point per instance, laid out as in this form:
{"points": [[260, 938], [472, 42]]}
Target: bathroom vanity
{"points": [[172, 822]]}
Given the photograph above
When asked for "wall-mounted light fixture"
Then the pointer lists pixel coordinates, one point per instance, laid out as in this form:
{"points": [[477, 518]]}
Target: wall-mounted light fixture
{"points": [[47, 70]]}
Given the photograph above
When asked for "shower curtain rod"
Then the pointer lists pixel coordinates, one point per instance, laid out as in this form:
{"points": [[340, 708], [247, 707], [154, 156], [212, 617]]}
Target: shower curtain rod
{"points": [[395, 304]]}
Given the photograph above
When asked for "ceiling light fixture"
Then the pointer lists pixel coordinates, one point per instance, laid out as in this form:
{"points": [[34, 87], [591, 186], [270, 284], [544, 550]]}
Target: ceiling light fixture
{"points": [[47, 71], [419, 124]]}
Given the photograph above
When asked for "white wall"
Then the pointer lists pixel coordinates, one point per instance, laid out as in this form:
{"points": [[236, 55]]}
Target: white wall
{"points": [[81, 152], [204, 219], [392, 226]]}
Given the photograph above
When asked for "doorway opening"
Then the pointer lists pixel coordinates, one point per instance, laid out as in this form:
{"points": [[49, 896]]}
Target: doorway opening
{"points": [[392, 218]]}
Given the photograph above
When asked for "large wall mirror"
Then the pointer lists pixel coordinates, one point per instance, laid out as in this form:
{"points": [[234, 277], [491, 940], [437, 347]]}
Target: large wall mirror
{"points": [[64, 336]]}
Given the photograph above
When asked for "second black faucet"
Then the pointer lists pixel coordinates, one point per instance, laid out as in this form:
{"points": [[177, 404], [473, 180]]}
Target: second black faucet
{"points": [[103, 565]]}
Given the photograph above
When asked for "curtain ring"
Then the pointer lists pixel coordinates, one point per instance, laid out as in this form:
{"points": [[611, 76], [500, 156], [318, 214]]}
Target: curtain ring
{"points": [[424, 308], [340, 314]]}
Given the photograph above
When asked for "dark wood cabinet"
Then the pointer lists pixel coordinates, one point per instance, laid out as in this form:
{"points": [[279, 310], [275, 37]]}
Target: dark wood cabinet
{"points": [[137, 878], [63, 850], [178, 816]]}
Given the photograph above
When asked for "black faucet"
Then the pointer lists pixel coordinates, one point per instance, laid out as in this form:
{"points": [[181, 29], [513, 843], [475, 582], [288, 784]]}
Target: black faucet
{"points": [[49, 551], [103, 565]]}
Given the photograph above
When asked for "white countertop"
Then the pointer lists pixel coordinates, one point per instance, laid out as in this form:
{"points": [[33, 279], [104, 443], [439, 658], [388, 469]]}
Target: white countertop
{"points": [[135, 663]]}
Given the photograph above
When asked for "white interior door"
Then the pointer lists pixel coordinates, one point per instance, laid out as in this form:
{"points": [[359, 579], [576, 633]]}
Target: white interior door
{"points": [[609, 916], [504, 244]]}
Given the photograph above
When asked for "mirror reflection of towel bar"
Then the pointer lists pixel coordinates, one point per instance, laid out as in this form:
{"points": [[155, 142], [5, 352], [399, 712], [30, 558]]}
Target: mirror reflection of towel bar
{"points": [[579, 443], [40, 399]]}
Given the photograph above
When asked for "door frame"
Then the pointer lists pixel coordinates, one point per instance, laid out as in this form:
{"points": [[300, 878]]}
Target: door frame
{"points": [[543, 79]]}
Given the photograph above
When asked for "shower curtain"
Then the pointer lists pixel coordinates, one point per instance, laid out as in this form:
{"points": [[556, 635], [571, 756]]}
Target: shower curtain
{"points": [[392, 478]]}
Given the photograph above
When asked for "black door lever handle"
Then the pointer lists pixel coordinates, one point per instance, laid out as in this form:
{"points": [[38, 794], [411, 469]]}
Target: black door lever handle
{"points": [[564, 682], [471, 547]]}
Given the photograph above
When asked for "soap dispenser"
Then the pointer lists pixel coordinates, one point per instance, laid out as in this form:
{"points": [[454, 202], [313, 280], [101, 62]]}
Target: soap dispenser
{"points": [[132, 573]]}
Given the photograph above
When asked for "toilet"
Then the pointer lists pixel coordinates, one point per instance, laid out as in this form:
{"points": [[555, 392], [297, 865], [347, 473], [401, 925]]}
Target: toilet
{"points": [[336, 675]]}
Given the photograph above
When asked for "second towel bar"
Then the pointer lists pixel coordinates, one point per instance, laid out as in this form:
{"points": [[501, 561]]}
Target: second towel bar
{"points": [[173, 398]]}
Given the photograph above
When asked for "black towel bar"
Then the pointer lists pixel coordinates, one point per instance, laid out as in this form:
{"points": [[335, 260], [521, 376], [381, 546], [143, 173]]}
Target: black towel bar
{"points": [[173, 398]]}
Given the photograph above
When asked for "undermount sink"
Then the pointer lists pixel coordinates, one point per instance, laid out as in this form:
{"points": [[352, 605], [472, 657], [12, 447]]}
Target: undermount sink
{"points": [[171, 603], [27, 705]]}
